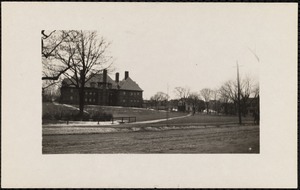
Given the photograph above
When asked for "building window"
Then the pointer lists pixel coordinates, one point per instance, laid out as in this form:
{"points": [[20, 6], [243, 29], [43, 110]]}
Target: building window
{"points": [[124, 100], [124, 93], [90, 99], [71, 97], [91, 93], [85, 99], [86, 93], [93, 84], [71, 90], [130, 93]]}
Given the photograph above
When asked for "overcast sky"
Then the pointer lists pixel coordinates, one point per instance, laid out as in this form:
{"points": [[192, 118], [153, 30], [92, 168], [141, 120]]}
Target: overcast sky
{"points": [[193, 45]]}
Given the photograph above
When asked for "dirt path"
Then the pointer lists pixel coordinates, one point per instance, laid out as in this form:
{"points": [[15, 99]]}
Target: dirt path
{"points": [[160, 120]]}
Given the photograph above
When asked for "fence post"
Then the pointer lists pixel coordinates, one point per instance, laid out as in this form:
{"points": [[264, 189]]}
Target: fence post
{"points": [[112, 120]]}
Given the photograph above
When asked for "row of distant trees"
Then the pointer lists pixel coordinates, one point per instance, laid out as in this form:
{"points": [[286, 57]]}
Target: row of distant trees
{"points": [[207, 99]]}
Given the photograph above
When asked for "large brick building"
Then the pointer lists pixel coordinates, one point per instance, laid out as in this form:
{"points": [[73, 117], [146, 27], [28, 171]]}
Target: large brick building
{"points": [[102, 90]]}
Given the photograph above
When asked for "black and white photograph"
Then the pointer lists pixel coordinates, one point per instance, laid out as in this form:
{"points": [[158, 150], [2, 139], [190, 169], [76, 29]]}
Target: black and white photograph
{"points": [[149, 95], [165, 98]]}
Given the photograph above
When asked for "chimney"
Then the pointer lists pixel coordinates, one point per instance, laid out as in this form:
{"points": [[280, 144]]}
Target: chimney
{"points": [[104, 76], [117, 77], [126, 74]]}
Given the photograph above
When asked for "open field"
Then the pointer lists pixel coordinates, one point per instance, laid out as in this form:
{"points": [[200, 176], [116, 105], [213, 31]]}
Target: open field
{"points": [[230, 139]]}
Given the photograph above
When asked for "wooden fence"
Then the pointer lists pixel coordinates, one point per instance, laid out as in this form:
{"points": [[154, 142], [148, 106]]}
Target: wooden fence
{"points": [[124, 119]]}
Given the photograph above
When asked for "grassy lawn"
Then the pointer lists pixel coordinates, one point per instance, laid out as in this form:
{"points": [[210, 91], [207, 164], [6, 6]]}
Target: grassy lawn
{"points": [[53, 111], [50, 108], [141, 114]]}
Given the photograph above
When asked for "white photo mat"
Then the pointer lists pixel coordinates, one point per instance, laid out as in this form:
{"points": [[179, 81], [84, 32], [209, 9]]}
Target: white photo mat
{"points": [[24, 165]]}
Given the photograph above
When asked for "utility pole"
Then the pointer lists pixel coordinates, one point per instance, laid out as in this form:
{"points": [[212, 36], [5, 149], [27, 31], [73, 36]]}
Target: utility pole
{"points": [[167, 105], [239, 94]]}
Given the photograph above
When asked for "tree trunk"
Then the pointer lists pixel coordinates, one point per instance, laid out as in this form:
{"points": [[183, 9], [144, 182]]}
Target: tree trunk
{"points": [[81, 94], [81, 102], [207, 108], [239, 112]]}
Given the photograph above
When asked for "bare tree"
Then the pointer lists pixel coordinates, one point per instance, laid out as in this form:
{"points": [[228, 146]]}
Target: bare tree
{"points": [[89, 57], [206, 93], [229, 92], [50, 89], [224, 99], [182, 92], [51, 92], [193, 99], [256, 113], [255, 91], [159, 98], [57, 53], [215, 96], [246, 91]]}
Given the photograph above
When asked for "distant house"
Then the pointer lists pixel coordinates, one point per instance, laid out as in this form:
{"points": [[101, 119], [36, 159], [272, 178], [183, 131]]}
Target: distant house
{"points": [[214, 106], [146, 104], [181, 104], [253, 105], [102, 90], [173, 104], [188, 105], [184, 105]]}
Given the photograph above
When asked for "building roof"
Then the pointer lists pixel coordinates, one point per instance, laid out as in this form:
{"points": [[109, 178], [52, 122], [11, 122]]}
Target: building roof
{"points": [[67, 82], [129, 84], [99, 78], [125, 84]]}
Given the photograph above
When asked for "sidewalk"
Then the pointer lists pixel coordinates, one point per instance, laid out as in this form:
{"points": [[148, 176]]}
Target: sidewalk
{"points": [[105, 123], [82, 124]]}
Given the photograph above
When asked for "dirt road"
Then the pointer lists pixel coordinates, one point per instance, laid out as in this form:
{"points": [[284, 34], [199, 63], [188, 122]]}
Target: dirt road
{"points": [[236, 139]]}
